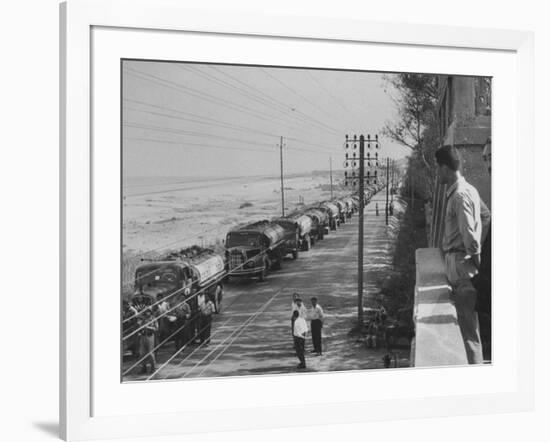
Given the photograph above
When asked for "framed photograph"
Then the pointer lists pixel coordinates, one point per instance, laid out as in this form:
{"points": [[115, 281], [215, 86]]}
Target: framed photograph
{"points": [[254, 207]]}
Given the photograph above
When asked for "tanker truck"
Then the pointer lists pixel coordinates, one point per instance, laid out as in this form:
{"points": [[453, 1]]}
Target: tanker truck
{"points": [[355, 202], [177, 276], [342, 211], [185, 272], [350, 206], [297, 233], [333, 214], [327, 218], [254, 249], [319, 220]]}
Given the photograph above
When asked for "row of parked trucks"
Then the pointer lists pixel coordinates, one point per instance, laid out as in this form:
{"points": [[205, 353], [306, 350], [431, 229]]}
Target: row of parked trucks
{"points": [[254, 249], [251, 250]]}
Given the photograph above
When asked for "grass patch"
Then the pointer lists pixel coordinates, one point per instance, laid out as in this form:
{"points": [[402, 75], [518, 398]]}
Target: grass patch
{"points": [[398, 288]]}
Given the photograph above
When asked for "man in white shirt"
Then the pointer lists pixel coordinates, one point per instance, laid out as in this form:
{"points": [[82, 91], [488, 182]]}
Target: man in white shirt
{"points": [[299, 331], [316, 317], [163, 322], [466, 219], [298, 305], [201, 299], [206, 311]]}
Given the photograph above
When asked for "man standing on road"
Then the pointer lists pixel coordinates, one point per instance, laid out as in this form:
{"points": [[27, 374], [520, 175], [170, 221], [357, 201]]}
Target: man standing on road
{"points": [[297, 305], [183, 317], [464, 218], [299, 331], [147, 339], [163, 323], [316, 318], [206, 311]]}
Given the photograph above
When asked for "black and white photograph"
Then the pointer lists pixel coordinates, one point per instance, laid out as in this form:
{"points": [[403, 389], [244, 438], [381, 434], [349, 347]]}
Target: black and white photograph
{"points": [[267, 221], [290, 220]]}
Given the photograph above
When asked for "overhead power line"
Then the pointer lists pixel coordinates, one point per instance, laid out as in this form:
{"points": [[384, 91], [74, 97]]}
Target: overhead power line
{"points": [[214, 122], [187, 143], [334, 98], [260, 97], [204, 96], [307, 100]]}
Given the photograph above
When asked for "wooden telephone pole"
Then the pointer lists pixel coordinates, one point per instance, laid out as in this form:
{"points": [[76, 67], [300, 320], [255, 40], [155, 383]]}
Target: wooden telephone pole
{"points": [[361, 194], [361, 249]]}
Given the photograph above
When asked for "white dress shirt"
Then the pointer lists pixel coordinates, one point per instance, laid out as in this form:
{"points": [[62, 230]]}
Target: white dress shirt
{"points": [[201, 299], [300, 327], [302, 310], [316, 313]]}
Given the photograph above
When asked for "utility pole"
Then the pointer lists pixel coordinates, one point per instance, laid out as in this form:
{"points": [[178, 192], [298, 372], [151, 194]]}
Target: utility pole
{"points": [[282, 183], [351, 160], [361, 230], [331, 194]]}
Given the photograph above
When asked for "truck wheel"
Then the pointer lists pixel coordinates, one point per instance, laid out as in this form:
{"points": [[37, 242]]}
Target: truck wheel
{"points": [[294, 254]]}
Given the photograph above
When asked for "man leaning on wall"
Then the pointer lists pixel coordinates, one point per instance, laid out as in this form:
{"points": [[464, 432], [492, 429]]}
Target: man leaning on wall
{"points": [[465, 217]]}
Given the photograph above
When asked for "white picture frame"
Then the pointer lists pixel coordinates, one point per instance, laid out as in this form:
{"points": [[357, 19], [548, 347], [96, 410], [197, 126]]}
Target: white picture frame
{"points": [[80, 414]]}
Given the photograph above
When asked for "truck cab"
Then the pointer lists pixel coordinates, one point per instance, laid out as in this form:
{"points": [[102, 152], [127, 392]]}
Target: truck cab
{"points": [[253, 249]]}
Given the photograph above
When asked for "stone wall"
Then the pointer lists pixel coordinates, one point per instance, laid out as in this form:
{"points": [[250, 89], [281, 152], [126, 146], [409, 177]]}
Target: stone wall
{"points": [[468, 131], [475, 171], [438, 340]]}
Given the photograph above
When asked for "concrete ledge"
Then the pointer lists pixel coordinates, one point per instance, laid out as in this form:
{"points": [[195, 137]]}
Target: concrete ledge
{"points": [[438, 340]]}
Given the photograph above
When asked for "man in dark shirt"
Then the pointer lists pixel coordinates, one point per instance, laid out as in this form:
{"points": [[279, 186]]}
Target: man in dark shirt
{"points": [[482, 281]]}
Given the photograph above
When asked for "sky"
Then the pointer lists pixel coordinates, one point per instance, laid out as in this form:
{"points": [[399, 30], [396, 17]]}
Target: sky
{"points": [[202, 120]]}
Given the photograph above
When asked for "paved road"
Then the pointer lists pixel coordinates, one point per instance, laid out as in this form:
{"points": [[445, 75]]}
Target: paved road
{"points": [[252, 333]]}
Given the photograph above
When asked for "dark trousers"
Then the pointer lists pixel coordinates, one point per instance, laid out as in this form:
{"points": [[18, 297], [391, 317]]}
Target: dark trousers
{"points": [[183, 335], [146, 347], [300, 347], [316, 326], [194, 327], [205, 327], [465, 301]]}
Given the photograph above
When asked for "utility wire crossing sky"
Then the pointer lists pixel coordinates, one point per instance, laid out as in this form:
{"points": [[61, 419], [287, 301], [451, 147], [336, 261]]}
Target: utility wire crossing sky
{"points": [[203, 120]]}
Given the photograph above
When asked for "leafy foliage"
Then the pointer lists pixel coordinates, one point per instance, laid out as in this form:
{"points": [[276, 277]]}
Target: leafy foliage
{"points": [[416, 98]]}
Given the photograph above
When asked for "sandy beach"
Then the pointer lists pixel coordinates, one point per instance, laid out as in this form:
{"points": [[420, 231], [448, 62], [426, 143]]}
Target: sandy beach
{"points": [[162, 214]]}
